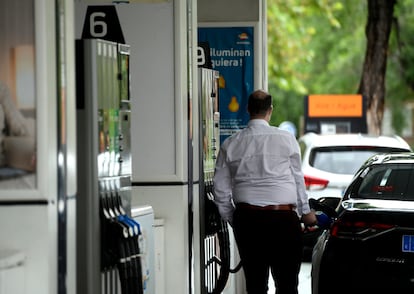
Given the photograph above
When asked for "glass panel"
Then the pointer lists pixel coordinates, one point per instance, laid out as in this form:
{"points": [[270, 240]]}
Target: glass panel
{"points": [[341, 161], [17, 95], [345, 159], [390, 182]]}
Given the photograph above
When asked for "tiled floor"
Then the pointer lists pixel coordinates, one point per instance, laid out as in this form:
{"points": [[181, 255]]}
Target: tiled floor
{"points": [[304, 280]]}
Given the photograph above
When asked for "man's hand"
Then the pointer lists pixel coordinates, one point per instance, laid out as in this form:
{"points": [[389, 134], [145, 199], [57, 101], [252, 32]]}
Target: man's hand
{"points": [[310, 219]]}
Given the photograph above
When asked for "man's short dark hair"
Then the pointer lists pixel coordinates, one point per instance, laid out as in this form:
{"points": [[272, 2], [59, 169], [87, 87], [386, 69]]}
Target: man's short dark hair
{"points": [[259, 102]]}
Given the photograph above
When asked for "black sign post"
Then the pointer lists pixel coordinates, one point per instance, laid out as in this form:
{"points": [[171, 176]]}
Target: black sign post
{"points": [[203, 55]]}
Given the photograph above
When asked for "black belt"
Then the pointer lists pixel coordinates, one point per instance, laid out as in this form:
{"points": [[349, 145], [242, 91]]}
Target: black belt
{"points": [[243, 205]]}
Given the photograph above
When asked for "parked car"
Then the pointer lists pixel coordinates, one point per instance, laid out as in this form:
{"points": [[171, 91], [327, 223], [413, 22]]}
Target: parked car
{"points": [[330, 161], [369, 247]]}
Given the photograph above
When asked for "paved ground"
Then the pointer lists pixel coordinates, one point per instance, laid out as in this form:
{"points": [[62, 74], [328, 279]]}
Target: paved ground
{"points": [[304, 280]]}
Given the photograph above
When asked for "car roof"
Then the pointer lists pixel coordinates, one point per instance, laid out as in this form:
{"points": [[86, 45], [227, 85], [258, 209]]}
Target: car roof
{"points": [[317, 140], [386, 158], [399, 157]]}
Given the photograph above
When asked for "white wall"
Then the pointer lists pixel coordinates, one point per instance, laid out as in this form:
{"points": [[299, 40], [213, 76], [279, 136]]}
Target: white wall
{"points": [[229, 10], [170, 203], [149, 29], [27, 230]]}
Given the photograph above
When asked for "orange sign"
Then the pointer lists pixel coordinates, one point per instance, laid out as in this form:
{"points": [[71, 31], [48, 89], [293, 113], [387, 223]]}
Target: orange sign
{"points": [[335, 105]]}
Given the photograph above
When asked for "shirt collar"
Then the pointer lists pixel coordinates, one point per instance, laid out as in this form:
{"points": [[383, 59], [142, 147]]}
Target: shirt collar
{"points": [[257, 122]]}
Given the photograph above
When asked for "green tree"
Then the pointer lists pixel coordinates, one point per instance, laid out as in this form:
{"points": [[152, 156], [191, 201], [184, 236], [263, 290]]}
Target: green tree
{"points": [[309, 51], [319, 47], [400, 70]]}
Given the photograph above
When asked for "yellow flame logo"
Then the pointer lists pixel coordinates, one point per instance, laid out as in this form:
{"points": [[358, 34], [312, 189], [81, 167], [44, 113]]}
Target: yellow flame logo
{"points": [[234, 104], [222, 82]]}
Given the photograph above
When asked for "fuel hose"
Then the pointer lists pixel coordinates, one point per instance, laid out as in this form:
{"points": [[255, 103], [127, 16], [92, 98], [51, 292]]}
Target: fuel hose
{"points": [[216, 226]]}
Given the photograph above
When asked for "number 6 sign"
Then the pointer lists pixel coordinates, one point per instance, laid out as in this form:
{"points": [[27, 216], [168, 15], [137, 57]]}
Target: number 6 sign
{"points": [[101, 22]]}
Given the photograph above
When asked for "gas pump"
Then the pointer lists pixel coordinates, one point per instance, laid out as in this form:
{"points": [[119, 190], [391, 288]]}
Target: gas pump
{"points": [[215, 243], [108, 253]]}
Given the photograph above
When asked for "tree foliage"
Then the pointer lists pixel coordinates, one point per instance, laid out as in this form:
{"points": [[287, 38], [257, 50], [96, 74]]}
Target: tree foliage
{"points": [[400, 72], [318, 46]]}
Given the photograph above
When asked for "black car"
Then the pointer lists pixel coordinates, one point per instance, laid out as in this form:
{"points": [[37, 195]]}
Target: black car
{"points": [[369, 247]]}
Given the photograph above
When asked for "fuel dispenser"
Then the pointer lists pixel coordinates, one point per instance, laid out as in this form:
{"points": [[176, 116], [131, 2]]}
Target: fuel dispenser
{"points": [[108, 251], [215, 243]]}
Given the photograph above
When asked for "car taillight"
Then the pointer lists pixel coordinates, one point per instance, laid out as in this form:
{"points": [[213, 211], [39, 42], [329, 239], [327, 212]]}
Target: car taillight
{"points": [[313, 183], [357, 229]]}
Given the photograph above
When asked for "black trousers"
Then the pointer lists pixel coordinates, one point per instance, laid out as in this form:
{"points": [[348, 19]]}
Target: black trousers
{"points": [[269, 240]]}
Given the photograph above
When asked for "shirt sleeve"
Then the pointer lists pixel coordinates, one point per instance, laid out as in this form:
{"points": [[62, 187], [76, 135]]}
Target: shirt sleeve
{"points": [[223, 188], [296, 167]]}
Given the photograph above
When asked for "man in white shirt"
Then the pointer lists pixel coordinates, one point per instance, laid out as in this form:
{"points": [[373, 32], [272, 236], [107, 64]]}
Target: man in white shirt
{"points": [[259, 189]]}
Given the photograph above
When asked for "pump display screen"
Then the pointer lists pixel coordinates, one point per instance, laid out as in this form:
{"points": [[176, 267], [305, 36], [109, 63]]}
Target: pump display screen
{"points": [[123, 60]]}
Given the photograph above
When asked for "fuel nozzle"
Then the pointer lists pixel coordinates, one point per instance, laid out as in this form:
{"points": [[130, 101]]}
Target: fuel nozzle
{"points": [[324, 221]]}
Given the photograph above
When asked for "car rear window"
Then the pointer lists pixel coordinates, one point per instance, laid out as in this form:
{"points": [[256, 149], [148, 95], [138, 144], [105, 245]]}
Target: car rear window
{"points": [[389, 182], [344, 159]]}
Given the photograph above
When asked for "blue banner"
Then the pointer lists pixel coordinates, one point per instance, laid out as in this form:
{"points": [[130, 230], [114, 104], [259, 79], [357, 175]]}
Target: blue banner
{"points": [[232, 54]]}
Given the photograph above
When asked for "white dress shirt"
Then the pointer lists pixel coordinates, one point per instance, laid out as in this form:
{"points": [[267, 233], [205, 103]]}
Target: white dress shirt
{"points": [[259, 165]]}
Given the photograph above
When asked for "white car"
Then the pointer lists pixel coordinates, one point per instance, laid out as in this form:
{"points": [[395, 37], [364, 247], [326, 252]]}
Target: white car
{"points": [[329, 162]]}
